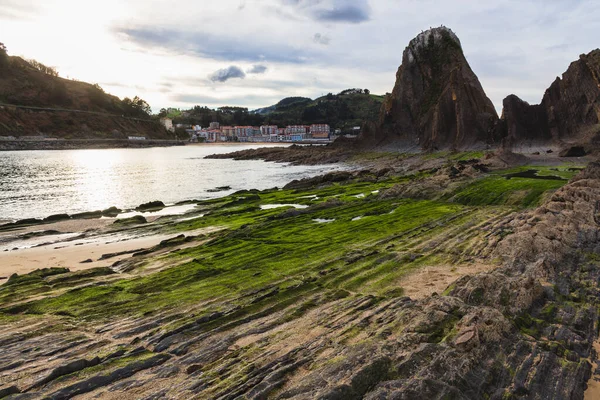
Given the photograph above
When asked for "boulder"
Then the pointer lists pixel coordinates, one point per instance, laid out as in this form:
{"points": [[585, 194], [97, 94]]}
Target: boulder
{"points": [[152, 205]]}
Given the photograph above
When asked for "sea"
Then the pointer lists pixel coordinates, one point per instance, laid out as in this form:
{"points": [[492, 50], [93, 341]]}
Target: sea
{"points": [[37, 184]]}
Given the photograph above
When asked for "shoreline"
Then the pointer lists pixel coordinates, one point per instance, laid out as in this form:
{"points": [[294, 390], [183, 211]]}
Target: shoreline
{"points": [[85, 144]]}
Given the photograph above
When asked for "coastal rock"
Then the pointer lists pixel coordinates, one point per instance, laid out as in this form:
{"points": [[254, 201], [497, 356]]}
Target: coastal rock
{"points": [[57, 217], [111, 212], [150, 206], [523, 121], [136, 219], [569, 111], [88, 215], [573, 151], [437, 101]]}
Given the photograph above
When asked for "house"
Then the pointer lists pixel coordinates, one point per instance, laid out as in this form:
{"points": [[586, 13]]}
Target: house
{"points": [[168, 124], [214, 125], [245, 132], [268, 130], [228, 132], [296, 129], [319, 131]]}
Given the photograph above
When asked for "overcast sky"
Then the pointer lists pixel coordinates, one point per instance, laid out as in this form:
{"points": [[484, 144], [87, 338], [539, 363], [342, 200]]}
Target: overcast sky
{"points": [[253, 53]]}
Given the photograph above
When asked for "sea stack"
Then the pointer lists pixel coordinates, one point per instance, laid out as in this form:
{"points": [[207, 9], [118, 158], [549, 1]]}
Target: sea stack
{"points": [[437, 101], [569, 111]]}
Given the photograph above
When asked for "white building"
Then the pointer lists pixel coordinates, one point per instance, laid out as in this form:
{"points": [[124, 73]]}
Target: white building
{"points": [[168, 124]]}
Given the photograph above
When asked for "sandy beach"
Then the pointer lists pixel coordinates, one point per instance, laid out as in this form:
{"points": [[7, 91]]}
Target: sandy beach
{"points": [[69, 243], [70, 255]]}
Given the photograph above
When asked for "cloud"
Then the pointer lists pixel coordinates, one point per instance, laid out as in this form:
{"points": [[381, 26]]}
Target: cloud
{"points": [[341, 11], [321, 39], [258, 69], [17, 10], [225, 74], [216, 47]]}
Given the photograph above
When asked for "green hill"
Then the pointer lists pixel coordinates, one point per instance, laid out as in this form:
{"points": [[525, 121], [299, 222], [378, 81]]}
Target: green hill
{"points": [[343, 111], [35, 100]]}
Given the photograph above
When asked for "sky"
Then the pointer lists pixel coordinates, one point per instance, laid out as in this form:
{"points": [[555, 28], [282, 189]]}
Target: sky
{"points": [[253, 53]]}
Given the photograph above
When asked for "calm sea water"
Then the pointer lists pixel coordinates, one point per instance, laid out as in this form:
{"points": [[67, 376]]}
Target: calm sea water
{"points": [[35, 184]]}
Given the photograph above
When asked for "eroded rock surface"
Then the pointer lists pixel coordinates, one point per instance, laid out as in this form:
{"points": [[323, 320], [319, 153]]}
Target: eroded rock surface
{"points": [[437, 101], [569, 111], [522, 330]]}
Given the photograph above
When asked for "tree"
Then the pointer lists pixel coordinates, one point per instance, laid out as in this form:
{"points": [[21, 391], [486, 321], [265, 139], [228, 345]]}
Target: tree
{"points": [[136, 108], [367, 91], [43, 68], [3, 55]]}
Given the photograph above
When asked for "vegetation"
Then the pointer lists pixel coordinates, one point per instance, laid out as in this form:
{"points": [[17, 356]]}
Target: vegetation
{"points": [[347, 239], [500, 189], [137, 107], [3, 56], [349, 108], [43, 68]]}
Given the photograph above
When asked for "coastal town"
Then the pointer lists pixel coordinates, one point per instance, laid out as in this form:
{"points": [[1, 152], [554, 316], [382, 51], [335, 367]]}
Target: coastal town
{"points": [[266, 133]]}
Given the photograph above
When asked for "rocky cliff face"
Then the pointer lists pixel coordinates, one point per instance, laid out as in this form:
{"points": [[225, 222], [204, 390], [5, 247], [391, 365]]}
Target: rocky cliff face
{"points": [[437, 101], [569, 111]]}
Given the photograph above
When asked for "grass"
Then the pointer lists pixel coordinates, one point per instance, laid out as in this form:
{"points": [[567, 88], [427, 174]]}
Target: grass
{"points": [[496, 189], [269, 259]]}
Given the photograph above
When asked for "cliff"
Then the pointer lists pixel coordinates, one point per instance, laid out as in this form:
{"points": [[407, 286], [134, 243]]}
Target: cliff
{"points": [[57, 107], [437, 101], [569, 111]]}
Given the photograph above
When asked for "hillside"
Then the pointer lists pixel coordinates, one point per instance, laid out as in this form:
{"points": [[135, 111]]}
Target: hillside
{"points": [[35, 101], [343, 111]]}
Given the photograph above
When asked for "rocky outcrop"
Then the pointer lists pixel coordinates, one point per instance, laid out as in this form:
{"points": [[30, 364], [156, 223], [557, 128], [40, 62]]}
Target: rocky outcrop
{"points": [[522, 121], [569, 111], [437, 101]]}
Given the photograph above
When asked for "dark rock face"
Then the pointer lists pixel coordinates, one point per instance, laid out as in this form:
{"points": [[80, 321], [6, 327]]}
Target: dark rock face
{"points": [[573, 151], [573, 102], [437, 101], [523, 121], [570, 109]]}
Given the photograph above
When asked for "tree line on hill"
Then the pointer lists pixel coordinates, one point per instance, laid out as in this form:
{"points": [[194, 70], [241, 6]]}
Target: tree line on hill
{"points": [[343, 111]]}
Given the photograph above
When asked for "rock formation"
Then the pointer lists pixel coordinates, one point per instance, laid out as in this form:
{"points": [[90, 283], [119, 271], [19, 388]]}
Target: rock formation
{"points": [[437, 101], [569, 111]]}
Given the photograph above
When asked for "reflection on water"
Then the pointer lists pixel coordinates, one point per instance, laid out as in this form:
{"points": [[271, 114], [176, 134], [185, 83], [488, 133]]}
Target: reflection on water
{"points": [[174, 210], [41, 183]]}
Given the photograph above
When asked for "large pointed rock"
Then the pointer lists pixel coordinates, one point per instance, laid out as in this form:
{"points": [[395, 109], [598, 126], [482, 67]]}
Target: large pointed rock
{"points": [[437, 101]]}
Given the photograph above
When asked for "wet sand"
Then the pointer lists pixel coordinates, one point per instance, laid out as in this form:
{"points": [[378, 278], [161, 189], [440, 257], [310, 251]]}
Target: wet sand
{"points": [[74, 241], [70, 255]]}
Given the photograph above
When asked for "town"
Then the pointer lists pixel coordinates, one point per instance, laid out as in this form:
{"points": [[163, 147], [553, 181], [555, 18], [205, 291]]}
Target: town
{"points": [[265, 133]]}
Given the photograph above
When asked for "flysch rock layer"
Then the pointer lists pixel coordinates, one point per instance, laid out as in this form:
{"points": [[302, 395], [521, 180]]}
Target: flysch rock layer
{"points": [[524, 330]]}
